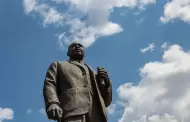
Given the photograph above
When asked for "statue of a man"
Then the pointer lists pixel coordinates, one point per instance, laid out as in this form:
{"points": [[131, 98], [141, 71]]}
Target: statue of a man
{"points": [[73, 92]]}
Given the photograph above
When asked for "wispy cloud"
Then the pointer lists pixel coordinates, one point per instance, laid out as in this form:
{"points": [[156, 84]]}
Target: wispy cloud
{"points": [[139, 22], [150, 47], [163, 93], [42, 111], [111, 109], [48, 14], [85, 20], [6, 114], [29, 111], [176, 9], [165, 45]]}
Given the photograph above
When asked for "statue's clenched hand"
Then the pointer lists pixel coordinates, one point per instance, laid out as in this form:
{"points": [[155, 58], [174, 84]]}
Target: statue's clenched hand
{"points": [[102, 74], [54, 112]]}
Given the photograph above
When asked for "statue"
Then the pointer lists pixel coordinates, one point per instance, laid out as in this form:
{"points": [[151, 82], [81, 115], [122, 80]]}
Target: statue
{"points": [[73, 92]]}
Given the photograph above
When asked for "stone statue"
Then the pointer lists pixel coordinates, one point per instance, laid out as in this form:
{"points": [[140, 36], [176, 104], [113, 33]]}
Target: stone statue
{"points": [[73, 92]]}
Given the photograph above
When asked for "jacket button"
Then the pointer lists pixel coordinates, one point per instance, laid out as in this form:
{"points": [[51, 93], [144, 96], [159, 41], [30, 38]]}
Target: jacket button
{"points": [[85, 85], [83, 73]]}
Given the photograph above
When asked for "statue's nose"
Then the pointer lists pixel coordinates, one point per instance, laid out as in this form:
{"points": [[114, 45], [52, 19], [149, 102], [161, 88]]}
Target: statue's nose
{"points": [[77, 46]]}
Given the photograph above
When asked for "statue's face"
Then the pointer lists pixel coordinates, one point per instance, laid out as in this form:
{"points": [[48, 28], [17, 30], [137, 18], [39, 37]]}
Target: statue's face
{"points": [[76, 51]]}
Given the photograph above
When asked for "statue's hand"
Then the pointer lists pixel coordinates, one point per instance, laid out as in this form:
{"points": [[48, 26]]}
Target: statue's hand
{"points": [[103, 74], [54, 112]]}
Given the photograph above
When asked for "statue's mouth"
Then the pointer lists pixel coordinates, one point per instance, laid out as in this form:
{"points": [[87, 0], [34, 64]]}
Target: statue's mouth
{"points": [[77, 50]]}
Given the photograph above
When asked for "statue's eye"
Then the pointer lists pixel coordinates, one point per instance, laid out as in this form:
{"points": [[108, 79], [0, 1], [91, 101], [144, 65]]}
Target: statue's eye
{"points": [[73, 45], [80, 45]]}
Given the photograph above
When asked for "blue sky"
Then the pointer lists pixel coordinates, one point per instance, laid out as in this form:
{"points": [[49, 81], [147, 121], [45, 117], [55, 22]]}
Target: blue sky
{"points": [[125, 37]]}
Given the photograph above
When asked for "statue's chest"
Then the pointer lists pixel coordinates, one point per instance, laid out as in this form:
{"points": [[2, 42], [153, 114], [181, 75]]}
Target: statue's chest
{"points": [[74, 72]]}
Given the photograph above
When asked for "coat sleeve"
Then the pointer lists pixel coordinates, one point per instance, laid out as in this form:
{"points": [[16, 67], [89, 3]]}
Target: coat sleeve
{"points": [[107, 95], [50, 86], [106, 92]]}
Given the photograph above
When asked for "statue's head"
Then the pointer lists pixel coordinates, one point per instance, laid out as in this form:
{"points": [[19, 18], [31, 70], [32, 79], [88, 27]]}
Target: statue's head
{"points": [[76, 51]]}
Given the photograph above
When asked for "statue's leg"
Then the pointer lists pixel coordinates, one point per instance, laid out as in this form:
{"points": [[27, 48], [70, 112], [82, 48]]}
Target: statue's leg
{"points": [[79, 118]]}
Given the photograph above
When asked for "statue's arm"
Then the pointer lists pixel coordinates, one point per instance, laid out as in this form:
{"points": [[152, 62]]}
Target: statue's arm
{"points": [[50, 86], [107, 95], [106, 90]]}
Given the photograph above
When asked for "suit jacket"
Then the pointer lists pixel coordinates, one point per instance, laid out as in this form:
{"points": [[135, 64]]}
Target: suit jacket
{"points": [[66, 85]]}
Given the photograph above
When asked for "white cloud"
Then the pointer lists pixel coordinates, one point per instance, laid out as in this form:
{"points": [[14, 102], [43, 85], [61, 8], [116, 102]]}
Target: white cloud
{"points": [[6, 114], [111, 109], [163, 93], [165, 45], [85, 20], [176, 9], [110, 28], [139, 22], [46, 12], [42, 111], [150, 47], [29, 111], [29, 5]]}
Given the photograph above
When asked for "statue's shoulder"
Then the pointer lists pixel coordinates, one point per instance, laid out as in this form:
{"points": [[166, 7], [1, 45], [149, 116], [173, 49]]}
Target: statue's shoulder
{"points": [[62, 62]]}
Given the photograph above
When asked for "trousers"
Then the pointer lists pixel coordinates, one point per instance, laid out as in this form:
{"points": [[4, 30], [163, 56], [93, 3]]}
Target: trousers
{"points": [[78, 118], [82, 118]]}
